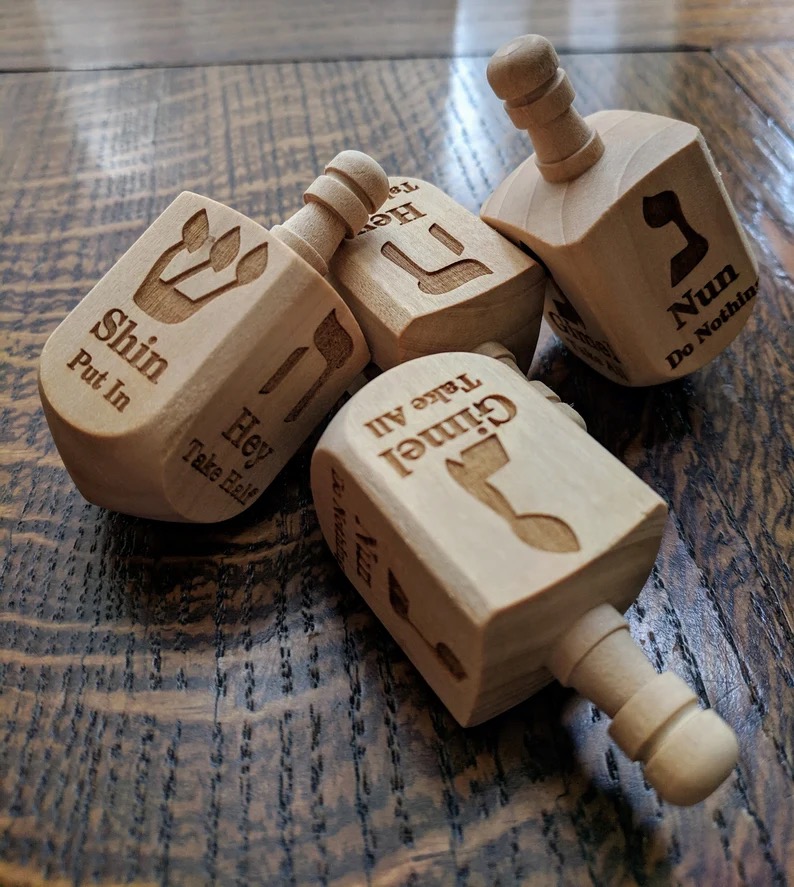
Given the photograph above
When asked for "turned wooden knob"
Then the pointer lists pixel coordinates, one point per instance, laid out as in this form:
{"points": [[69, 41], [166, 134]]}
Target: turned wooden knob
{"points": [[521, 66], [537, 96], [687, 752], [338, 204]]}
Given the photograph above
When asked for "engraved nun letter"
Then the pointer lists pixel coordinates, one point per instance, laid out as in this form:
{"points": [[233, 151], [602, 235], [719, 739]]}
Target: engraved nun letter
{"points": [[663, 208]]}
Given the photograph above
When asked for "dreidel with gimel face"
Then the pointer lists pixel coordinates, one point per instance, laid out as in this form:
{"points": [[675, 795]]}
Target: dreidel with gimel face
{"points": [[184, 381], [653, 273], [499, 544]]}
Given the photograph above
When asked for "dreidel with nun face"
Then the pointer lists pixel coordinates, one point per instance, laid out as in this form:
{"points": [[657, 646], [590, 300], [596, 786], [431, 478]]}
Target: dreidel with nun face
{"points": [[499, 543], [184, 381], [425, 275], [654, 275]]}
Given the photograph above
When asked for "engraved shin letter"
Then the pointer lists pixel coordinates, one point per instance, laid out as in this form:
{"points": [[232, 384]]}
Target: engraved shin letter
{"points": [[161, 299]]}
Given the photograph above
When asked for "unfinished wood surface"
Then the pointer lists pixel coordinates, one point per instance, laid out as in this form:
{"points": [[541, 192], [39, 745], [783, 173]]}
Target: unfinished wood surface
{"points": [[426, 275], [94, 34], [184, 705], [191, 373], [687, 752], [653, 274], [447, 487], [494, 539], [766, 74]]}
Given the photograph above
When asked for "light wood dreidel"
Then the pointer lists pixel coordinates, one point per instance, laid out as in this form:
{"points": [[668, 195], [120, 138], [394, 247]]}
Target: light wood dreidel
{"points": [[425, 275], [499, 543], [184, 381], [654, 275]]}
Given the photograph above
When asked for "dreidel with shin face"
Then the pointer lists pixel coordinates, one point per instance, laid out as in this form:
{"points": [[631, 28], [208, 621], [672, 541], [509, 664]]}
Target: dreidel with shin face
{"points": [[499, 543], [184, 381], [654, 275]]}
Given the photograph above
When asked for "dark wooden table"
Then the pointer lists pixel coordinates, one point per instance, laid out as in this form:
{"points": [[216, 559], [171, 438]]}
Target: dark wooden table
{"points": [[215, 705]]}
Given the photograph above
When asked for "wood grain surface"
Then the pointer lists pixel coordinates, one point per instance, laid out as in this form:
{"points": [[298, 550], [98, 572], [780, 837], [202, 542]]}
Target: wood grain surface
{"points": [[215, 705], [766, 73], [129, 33]]}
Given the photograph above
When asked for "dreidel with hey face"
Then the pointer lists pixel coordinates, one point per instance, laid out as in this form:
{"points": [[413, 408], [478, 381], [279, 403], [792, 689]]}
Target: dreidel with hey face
{"points": [[499, 543], [425, 275], [184, 381], [654, 275]]}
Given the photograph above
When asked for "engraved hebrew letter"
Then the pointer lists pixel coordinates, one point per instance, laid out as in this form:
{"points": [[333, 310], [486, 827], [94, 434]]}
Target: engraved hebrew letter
{"points": [[334, 344], [663, 208], [161, 299], [398, 600], [478, 463], [564, 307], [445, 279]]}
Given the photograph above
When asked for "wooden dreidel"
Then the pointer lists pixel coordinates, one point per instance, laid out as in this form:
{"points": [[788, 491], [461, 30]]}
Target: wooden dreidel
{"points": [[184, 381], [425, 275], [629, 214], [498, 543]]}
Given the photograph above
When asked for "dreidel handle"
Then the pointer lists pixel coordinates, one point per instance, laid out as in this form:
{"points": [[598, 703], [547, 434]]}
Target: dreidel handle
{"points": [[538, 97], [337, 205], [687, 751], [504, 355]]}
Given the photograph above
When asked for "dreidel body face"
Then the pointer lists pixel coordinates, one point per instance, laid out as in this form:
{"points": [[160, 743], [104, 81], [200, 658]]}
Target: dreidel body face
{"points": [[654, 274], [478, 522], [185, 380], [425, 275]]}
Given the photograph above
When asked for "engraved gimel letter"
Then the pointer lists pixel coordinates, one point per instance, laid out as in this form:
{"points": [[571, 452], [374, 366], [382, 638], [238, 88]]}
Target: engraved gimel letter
{"points": [[663, 209], [444, 279], [334, 344], [161, 299], [477, 464]]}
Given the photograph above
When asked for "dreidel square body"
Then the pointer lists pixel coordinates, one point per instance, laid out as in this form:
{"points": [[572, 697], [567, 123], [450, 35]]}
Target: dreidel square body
{"points": [[653, 283], [425, 275], [478, 522], [185, 380], [654, 274]]}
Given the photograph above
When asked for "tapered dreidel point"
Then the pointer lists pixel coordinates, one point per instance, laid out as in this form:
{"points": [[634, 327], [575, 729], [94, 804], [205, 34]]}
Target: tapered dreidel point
{"points": [[338, 204], [189, 375], [537, 96], [686, 751]]}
